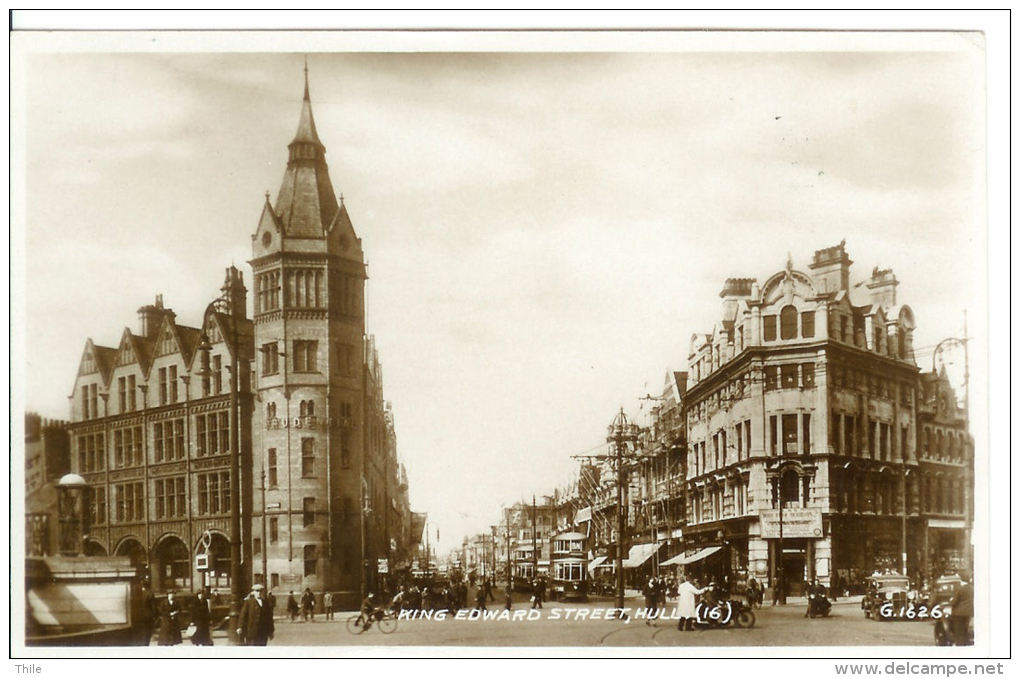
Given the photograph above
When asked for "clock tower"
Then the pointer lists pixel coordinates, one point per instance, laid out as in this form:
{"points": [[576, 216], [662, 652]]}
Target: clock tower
{"points": [[310, 375]]}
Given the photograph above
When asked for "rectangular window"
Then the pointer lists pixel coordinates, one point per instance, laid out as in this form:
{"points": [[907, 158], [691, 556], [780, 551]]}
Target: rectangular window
{"points": [[271, 467], [790, 434], [773, 434], [305, 358], [849, 434], [311, 558], [224, 431], [788, 374], [200, 437], [256, 546], [807, 373], [214, 492], [884, 441], [159, 442], [769, 324], [871, 439], [178, 438], [118, 449], [747, 433], [308, 511], [172, 380], [99, 506], [307, 457], [122, 393], [270, 359], [217, 373], [771, 377], [740, 440], [806, 437], [160, 499], [130, 498], [132, 389], [91, 453], [834, 438], [94, 399], [85, 402], [162, 386], [274, 530], [807, 324]]}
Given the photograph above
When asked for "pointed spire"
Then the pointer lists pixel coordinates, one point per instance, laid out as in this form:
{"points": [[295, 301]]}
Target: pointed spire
{"points": [[307, 98], [306, 124]]}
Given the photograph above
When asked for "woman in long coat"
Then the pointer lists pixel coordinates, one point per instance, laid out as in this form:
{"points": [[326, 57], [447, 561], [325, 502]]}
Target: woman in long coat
{"points": [[686, 604], [201, 615], [169, 621]]}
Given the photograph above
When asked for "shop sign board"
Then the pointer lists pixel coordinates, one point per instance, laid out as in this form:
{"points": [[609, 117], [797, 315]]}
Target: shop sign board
{"points": [[383, 566], [797, 523]]}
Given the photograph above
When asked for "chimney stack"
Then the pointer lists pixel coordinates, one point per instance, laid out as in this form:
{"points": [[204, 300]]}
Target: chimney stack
{"points": [[831, 267]]}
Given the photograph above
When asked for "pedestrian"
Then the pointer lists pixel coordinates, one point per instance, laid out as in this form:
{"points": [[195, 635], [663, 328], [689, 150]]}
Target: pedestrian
{"points": [[686, 603], [150, 613], [480, 598], [327, 604], [308, 605], [961, 610], [651, 594], [292, 607], [169, 621], [754, 594], [201, 615], [538, 586], [255, 625], [487, 587]]}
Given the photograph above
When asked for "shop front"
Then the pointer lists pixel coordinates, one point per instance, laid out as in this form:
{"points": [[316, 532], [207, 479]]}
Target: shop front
{"points": [[945, 548], [797, 548]]}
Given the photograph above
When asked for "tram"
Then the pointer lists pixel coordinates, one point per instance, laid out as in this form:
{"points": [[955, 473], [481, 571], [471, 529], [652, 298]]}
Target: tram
{"points": [[569, 567]]}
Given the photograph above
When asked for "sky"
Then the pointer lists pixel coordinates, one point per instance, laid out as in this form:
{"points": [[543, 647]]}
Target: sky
{"points": [[544, 230]]}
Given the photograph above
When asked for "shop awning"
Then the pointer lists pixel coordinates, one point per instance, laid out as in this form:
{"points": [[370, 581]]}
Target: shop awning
{"points": [[639, 553], [595, 563], [694, 557]]}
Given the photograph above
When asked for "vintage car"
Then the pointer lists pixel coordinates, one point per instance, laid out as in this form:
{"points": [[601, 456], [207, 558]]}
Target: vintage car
{"points": [[890, 596], [942, 610]]}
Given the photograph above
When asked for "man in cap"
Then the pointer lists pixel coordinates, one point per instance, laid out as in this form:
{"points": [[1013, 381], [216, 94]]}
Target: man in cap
{"points": [[255, 626]]}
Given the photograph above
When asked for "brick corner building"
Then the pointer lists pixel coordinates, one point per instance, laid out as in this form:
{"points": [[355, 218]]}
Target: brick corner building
{"points": [[324, 498]]}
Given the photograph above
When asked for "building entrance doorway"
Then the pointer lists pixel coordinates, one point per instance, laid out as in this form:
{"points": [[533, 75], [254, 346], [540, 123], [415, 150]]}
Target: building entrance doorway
{"points": [[795, 572]]}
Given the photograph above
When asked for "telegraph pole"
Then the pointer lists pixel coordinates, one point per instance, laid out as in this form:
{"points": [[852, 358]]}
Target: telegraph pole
{"points": [[621, 433]]}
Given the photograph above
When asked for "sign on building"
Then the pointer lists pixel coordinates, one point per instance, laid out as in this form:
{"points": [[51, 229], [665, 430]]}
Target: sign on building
{"points": [[383, 566], [797, 523]]}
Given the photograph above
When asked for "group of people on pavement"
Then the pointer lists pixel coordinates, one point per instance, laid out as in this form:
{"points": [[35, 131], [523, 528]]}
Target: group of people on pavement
{"points": [[306, 607]]}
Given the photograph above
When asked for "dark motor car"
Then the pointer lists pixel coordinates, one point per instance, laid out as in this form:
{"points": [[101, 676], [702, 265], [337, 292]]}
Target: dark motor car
{"points": [[888, 597]]}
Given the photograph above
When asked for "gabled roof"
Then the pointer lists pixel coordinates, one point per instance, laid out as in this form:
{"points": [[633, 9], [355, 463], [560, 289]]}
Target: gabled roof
{"points": [[106, 357]]}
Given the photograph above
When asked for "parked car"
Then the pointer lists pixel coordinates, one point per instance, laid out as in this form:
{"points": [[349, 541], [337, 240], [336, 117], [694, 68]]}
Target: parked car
{"points": [[942, 611], [888, 597]]}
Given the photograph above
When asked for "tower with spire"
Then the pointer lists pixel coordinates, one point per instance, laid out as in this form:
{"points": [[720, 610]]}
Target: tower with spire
{"points": [[309, 314]]}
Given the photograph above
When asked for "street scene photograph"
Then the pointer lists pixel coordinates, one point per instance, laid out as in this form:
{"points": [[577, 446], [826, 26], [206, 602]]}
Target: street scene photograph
{"points": [[362, 344]]}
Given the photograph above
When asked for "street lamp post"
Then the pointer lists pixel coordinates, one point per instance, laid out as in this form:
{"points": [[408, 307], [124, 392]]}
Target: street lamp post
{"points": [[224, 304], [621, 433]]}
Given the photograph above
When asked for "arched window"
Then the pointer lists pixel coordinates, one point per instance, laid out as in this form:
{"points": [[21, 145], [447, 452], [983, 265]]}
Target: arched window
{"points": [[788, 323]]}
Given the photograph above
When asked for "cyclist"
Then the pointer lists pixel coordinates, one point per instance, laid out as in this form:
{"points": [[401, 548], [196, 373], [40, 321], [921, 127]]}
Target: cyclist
{"points": [[368, 611]]}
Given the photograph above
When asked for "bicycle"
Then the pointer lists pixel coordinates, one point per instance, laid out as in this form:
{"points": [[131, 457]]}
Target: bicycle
{"points": [[385, 619]]}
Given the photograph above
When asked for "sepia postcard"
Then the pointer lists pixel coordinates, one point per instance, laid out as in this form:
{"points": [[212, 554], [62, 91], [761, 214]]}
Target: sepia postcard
{"points": [[508, 343]]}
